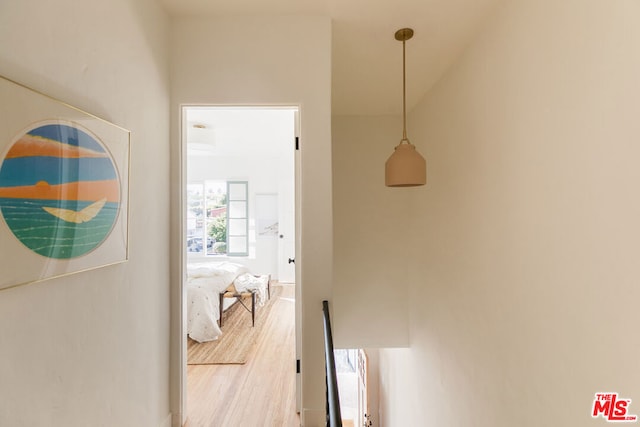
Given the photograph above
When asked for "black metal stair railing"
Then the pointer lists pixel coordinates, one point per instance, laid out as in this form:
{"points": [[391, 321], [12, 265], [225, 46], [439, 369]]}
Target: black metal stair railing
{"points": [[334, 419]]}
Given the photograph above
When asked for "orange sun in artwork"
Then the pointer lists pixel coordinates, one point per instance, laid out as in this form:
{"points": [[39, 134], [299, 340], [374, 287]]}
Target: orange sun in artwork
{"points": [[42, 184]]}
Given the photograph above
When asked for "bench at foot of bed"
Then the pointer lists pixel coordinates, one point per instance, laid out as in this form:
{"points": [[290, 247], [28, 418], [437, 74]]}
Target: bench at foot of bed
{"points": [[231, 292]]}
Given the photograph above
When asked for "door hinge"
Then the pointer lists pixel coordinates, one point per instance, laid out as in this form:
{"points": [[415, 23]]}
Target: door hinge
{"points": [[297, 142], [298, 366]]}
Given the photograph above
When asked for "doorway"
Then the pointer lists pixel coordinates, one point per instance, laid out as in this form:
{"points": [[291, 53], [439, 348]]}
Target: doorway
{"points": [[242, 146]]}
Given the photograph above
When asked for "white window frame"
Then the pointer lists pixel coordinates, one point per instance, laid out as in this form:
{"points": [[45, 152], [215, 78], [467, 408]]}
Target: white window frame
{"points": [[237, 218]]}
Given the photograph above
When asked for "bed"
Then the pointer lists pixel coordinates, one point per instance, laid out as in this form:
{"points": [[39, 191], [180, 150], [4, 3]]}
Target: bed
{"points": [[205, 283]]}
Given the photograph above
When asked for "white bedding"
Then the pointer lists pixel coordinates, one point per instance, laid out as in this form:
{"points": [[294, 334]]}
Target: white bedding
{"points": [[204, 283], [248, 282]]}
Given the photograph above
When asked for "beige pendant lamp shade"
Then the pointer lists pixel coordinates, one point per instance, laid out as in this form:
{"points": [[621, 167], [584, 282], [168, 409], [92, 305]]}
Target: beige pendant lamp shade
{"points": [[406, 167]]}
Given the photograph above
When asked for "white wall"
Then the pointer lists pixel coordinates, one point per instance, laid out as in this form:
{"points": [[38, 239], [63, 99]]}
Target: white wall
{"points": [[523, 274], [256, 60], [370, 234], [92, 348]]}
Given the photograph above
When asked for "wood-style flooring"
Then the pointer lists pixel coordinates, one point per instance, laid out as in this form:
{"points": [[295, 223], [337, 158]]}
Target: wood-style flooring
{"points": [[260, 393]]}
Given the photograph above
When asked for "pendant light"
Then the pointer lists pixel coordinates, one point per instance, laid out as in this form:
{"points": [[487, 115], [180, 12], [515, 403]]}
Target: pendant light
{"points": [[405, 167]]}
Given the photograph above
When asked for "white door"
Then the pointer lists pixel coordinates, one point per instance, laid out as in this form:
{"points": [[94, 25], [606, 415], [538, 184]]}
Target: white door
{"points": [[287, 221]]}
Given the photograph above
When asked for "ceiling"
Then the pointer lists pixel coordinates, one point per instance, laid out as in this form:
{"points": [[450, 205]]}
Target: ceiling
{"points": [[240, 131], [367, 60]]}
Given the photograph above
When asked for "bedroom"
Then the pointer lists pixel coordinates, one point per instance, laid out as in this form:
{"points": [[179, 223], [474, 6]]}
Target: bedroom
{"points": [[239, 220]]}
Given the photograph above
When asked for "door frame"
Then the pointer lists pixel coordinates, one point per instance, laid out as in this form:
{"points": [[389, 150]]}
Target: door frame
{"points": [[178, 333]]}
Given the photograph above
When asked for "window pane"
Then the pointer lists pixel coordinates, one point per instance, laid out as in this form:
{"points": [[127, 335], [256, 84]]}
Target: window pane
{"points": [[238, 245], [237, 227], [237, 209], [195, 217], [215, 198], [238, 191]]}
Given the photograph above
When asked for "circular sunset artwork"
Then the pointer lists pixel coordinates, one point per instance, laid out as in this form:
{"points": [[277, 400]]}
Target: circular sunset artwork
{"points": [[59, 190]]}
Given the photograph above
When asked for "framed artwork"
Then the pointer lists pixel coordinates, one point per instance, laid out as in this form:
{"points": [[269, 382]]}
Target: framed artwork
{"points": [[267, 215], [64, 188]]}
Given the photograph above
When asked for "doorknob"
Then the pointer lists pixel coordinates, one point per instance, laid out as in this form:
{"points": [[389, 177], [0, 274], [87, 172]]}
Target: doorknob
{"points": [[292, 260]]}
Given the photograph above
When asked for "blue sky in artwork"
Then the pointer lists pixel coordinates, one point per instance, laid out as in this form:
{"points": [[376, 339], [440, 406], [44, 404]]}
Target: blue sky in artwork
{"points": [[67, 134], [54, 170]]}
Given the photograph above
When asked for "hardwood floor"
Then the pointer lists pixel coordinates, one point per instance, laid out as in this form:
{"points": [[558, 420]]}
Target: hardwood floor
{"points": [[260, 393]]}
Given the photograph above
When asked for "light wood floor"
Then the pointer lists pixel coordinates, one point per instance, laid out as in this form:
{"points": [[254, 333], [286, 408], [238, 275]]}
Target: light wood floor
{"points": [[260, 393]]}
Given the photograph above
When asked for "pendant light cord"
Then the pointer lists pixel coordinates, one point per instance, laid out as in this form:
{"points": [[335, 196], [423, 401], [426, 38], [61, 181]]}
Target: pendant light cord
{"points": [[404, 95], [403, 35]]}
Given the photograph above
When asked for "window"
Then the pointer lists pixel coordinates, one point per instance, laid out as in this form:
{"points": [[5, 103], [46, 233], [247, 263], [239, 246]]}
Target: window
{"points": [[217, 218], [237, 219]]}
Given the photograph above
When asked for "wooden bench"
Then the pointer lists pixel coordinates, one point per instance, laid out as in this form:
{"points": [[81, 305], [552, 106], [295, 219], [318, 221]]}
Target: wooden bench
{"points": [[231, 292]]}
